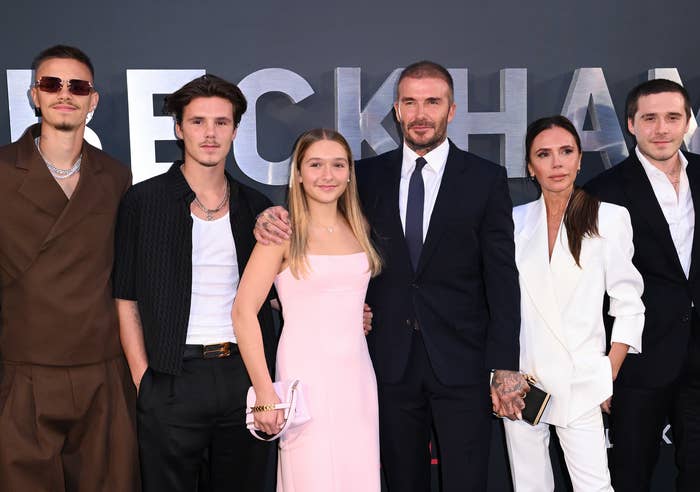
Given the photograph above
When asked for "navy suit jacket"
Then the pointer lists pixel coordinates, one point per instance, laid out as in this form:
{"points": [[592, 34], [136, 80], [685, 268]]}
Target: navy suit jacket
{"points": [[668, 294], [464, 296]]}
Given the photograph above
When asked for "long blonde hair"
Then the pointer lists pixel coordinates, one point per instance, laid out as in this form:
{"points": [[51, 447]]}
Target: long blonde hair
{"points": [[348, 205]]}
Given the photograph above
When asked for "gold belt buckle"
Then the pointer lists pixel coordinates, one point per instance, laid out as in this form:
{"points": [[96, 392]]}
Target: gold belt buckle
{"points": [[217, 350]]}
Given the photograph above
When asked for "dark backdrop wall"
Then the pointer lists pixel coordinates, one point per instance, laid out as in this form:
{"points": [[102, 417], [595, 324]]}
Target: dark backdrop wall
{"points": [[313, 63]]}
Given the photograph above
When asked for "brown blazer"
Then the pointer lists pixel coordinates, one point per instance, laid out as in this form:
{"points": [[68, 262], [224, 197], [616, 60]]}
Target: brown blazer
{"points": [[56, 255]]}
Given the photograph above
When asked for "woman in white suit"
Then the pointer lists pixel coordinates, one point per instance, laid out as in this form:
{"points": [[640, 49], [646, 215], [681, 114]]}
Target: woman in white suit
{"points": [[570, 250]]}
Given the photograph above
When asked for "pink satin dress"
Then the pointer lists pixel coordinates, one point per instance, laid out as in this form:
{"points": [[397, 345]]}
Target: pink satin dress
{"points": [[323, 344]]}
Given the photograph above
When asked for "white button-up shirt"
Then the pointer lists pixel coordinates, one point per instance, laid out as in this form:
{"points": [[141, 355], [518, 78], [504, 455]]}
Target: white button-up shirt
{"points": [[678, 209], [432, 177]]}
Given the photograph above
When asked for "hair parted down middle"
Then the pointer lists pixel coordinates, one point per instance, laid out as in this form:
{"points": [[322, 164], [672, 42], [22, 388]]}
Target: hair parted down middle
{"points": [[207, 85], [348, 205], [581, 215]]}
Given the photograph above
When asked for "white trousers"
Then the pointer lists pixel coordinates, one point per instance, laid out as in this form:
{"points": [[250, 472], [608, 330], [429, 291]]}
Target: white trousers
{"points": [[583, 443]]}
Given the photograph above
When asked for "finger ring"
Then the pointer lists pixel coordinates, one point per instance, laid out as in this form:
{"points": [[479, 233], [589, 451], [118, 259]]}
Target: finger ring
{"points": [[523, 395]]}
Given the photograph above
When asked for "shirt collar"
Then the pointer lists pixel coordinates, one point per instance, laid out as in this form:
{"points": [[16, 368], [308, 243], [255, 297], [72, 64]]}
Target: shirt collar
{"points": [[179, 184], [182, 189], [436, 158], [653, 170]]}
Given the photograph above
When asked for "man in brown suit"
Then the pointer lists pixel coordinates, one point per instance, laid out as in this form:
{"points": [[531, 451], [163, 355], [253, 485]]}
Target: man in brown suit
{"points": [[66, 397]]}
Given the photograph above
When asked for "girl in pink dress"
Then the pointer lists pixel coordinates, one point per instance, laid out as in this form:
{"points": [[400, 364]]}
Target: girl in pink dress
{"points": [[321, 275]]}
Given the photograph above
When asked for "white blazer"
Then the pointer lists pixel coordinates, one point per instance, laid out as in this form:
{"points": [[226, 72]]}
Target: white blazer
{"points": [[562, 336]]}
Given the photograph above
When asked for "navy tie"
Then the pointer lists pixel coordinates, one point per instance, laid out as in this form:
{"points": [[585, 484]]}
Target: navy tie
{"points": [[414, 213]]}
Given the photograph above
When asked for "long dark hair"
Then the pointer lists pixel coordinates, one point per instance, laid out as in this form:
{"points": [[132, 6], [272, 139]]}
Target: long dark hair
{"points": [[581, 214]]}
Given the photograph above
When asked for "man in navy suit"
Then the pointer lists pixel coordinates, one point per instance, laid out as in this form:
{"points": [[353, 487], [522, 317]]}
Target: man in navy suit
{"points": [[447, 304], [659, 185]]}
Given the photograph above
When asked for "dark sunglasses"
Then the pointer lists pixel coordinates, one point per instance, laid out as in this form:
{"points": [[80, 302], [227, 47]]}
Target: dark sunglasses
{"points": [[52, 85]]}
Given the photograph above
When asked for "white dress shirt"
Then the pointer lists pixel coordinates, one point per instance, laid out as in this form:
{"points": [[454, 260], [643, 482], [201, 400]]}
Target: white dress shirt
{"points": [[678, 209], [432, 177]]}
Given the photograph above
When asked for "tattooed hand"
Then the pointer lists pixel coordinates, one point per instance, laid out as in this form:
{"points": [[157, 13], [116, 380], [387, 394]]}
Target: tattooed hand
{"points": [[272, 226], [508, 391]]}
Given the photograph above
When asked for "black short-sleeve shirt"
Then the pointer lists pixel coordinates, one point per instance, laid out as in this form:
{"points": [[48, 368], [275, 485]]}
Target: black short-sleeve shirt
{"points": [[153, 260]]}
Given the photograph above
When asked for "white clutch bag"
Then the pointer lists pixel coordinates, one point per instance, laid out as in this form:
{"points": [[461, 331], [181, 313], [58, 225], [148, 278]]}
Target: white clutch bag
{"points": [[296, 412]]}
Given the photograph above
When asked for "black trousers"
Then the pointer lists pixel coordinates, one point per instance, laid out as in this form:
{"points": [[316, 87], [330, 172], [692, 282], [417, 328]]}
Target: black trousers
{"points": [[637, 422], [201, 410], [461, 416]]}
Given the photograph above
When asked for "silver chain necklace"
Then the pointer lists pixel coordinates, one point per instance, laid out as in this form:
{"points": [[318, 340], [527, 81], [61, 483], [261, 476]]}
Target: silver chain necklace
{"points": [[57, 172], [210, 212]]}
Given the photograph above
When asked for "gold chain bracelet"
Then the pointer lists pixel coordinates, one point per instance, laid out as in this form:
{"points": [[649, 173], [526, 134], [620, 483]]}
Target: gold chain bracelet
{"points": [[262, 408]]}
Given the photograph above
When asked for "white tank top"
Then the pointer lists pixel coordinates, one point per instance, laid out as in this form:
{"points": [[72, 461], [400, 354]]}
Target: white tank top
{"points": [[214, 282]]}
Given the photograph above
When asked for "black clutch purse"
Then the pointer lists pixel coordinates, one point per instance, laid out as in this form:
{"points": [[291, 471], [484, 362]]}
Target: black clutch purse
{"points": [[535, 402]]}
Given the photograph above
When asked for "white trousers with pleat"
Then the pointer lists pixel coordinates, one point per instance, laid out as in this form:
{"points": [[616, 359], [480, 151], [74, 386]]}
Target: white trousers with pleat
{"points": [[583, 443]]}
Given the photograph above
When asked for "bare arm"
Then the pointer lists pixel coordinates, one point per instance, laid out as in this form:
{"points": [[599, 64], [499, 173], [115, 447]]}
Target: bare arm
{"points": [[260, 271], [617, 354], [131, 334]]}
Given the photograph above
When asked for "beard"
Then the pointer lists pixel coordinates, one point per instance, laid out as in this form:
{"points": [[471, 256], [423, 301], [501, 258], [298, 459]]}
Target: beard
{"points": [[63, 125], [658, 155], [203, 159], [425, 146], [208, 163], [66, 127]]}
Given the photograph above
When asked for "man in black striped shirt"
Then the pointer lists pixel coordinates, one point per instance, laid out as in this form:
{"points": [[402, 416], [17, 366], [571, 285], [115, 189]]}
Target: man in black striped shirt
{"points": [[183, 239]]}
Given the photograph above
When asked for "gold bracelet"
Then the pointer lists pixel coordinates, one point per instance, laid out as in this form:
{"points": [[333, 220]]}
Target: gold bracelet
{"points": [[262, 408]]}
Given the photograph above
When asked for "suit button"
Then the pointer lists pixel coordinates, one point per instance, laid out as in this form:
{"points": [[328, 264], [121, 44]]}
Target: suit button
{"points": [[685, 318], [414, 285]]}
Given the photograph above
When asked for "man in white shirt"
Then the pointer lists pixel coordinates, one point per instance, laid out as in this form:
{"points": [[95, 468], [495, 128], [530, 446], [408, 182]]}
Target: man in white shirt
{"points": [[657, 184]]}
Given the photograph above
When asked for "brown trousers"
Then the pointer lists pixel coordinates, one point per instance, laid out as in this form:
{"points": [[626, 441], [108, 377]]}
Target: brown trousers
{"points": [[68, 429]]}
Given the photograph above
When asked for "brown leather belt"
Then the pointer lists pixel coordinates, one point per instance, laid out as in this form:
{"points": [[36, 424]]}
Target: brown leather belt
{"points": [[213, 351]]}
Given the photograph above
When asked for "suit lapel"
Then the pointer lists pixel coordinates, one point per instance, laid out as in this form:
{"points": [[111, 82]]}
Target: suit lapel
{"points": [[392, 206], [693, 172], [565, 273], [387, 218], [535, 272], [446, 198], [38, 187], [643, 200], [86, 198]]}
